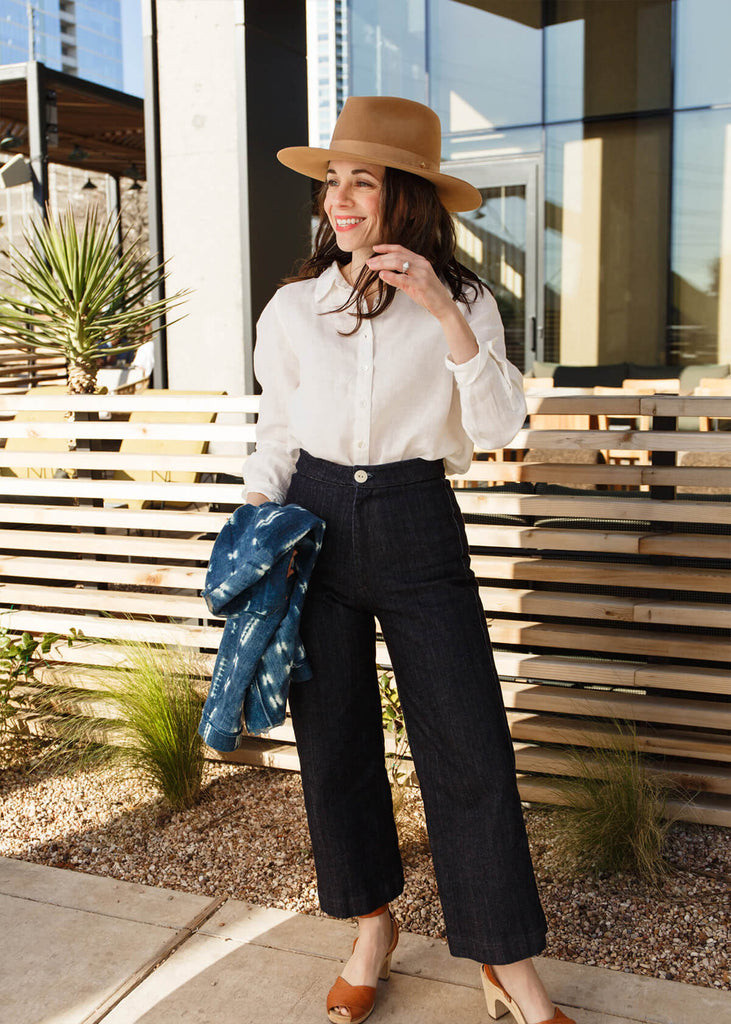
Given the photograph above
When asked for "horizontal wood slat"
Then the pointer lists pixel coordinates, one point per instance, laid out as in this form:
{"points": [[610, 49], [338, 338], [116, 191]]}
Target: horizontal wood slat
{"points": [[568, 474], [230, 464], [122, 490], [104, 430], [149, 401], [554, 538], [603, 603], [603, 508], [84, 516], [604, 574], [598, 440], [621, 642]]}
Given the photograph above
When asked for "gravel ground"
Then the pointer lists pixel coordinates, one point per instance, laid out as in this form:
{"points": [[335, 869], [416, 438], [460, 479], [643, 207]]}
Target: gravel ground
{"points": [[248, 839]]}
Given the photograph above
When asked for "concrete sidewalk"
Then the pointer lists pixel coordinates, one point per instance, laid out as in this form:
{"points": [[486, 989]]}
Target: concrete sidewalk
{"points": [[77, 949]]}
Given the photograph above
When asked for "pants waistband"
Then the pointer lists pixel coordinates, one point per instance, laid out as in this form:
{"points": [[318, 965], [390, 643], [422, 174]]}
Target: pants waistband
{"points": [[387, 474]]}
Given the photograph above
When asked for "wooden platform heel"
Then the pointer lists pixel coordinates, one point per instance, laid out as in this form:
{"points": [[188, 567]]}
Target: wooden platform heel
{"points": [[499, 1002]]}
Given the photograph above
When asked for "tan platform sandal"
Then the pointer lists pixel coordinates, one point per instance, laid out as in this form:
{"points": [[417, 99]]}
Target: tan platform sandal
{"points": [[496, 995], [359, 1000]]}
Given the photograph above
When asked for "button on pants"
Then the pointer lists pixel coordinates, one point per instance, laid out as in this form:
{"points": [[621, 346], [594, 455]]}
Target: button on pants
{"points": [[395, 549]]}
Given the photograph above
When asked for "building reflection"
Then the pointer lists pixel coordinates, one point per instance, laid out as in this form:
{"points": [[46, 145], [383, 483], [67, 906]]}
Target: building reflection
{"points": [[625, 106]]}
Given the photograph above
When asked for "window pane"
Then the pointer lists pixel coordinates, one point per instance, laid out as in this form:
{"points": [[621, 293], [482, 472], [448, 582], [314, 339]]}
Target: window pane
{"points": [[387, 49], [511, 142], [484, 70], [492, 241], [701, 251], [606, 241], [607, 58], [703, 32]]}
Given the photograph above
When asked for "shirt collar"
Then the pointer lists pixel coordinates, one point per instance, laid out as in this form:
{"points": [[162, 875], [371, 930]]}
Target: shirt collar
{"points": [[329, 280]]}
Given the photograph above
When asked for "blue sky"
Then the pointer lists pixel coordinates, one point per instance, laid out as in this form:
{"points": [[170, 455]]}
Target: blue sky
{"points": [[132, 47]]}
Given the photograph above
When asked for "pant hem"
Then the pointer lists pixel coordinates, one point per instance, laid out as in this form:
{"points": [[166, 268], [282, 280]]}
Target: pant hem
{"points": [[357, 908], [532, 945]]}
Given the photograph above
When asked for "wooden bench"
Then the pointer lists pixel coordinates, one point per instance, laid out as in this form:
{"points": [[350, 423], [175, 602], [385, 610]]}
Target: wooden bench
{"points": [[605, 601]]}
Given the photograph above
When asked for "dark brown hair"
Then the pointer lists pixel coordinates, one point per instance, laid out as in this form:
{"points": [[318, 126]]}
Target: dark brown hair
{"points": [[412, 215]]}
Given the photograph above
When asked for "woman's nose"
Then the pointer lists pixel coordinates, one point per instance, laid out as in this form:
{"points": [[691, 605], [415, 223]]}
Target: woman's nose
{"points": [[342, 195]]}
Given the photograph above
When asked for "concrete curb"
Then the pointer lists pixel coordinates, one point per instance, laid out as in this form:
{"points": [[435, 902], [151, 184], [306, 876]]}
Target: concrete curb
{"points": [[91, 948]]}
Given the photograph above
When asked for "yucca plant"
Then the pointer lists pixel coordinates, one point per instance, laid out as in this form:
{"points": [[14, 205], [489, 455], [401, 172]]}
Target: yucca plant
{"points": [[141, 720], [78, 294]]}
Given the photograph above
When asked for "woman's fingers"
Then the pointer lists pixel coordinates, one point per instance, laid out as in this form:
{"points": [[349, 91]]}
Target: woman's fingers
{"points": [[397, 259], [411, 274]]}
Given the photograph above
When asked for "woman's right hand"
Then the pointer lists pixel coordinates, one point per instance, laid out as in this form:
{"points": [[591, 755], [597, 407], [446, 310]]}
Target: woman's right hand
{"points": [[256, 498]]}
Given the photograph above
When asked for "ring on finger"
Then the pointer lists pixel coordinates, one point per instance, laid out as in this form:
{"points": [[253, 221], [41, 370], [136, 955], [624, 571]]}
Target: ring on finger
{"points": [[405, 267]]}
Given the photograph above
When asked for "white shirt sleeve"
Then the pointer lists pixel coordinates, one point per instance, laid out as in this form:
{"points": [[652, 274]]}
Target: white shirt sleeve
{"points": [[490, 387], [269, 469]]}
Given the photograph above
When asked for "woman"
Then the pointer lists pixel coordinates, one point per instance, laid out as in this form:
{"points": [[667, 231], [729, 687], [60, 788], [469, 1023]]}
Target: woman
{"points": [[380, 366]]}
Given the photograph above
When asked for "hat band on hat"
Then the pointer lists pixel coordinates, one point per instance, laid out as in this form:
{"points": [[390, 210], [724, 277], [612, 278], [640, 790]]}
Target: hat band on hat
{"points": [[377, 153]]}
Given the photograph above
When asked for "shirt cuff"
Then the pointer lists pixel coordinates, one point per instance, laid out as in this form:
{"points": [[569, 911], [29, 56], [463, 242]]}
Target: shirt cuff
{"points": [[466, 373]]}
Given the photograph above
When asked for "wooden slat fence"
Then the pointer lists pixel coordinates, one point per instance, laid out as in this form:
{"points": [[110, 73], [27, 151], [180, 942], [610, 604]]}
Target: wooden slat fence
{"points": [[22, 367], [603, 555]]}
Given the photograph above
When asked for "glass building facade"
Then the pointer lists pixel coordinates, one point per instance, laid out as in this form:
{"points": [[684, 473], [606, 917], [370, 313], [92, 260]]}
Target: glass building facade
{"points": [[80, 37], [599, 132]]}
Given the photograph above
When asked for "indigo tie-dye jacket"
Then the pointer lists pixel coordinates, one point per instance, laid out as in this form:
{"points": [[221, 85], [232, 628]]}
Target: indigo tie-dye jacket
{"points": [[248, 584]]}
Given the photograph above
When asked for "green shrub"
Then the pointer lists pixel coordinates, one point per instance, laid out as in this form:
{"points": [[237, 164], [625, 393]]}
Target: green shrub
{"points": [[20, 655], [393, 723], [616, 818]]}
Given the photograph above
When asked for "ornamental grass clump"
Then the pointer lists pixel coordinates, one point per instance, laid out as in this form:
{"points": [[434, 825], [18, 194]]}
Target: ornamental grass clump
{"points": [[140, 720], [616, 818]]}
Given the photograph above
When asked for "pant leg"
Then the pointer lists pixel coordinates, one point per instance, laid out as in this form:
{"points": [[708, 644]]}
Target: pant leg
{"points": [[338, 727], [434, 626]]}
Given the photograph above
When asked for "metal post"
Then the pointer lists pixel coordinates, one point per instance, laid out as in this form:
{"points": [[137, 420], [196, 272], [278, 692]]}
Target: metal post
{"points": [[113, 206], [154, 185], [663, 492], [36, 101]]}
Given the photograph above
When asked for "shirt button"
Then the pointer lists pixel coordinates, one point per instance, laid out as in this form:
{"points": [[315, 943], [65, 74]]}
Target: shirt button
{"points": [[361, 444], [363, 403], [365, 367], [360, 476]]}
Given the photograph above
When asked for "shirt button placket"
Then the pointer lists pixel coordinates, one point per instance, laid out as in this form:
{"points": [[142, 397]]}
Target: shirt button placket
{"points": [[363, 389]]}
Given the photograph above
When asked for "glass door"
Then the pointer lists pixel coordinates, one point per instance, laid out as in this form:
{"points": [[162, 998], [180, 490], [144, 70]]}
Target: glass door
{"points": [[500, 242]]}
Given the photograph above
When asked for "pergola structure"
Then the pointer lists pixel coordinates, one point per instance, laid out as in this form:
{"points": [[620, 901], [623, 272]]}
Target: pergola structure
{"points": [[52, 117]]}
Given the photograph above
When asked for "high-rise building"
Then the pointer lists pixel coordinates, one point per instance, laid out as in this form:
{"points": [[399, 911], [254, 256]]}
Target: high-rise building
{"points": [[327, 65], [80, 37]]}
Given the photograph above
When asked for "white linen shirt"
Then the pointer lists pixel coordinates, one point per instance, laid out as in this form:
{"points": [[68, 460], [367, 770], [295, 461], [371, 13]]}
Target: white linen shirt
{"points": [[387, 393]]}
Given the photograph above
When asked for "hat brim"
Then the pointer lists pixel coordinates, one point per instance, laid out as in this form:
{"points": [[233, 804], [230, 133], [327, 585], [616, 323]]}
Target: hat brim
{"points": [[457, 196]]}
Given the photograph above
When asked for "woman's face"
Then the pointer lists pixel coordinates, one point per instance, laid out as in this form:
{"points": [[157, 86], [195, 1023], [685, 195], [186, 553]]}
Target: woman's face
{"points": [[353, 204]]}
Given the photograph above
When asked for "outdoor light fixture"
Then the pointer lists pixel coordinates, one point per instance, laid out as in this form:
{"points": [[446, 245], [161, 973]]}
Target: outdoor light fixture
{"points": [[88, 185], [135, 186], [15, 172], [9, 142], [77, 153]]}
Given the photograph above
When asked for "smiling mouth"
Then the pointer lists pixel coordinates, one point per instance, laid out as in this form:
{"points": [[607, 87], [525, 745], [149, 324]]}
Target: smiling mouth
{"points": [[343, 223]]}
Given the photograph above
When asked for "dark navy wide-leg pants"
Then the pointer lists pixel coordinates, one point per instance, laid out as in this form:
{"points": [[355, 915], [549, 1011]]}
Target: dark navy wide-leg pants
{"points": [[395, 549]]}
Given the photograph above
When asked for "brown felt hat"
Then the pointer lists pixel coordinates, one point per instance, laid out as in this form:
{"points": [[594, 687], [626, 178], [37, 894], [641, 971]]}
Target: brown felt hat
{"points": [[390, 132]]}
